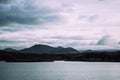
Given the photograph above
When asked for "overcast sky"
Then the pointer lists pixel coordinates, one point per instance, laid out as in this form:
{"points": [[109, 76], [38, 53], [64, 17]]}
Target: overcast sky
{"points": [[81, 24]]}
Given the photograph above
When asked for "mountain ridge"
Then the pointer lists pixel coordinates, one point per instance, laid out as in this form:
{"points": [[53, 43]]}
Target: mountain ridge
{"points": [[44, 49]]}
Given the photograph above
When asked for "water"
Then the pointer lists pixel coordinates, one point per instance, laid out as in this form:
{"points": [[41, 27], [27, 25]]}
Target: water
{"points": [[60, 71]]}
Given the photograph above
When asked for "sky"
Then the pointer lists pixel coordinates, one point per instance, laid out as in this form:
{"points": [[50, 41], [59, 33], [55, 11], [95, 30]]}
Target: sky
{"points": [[81, 24]]}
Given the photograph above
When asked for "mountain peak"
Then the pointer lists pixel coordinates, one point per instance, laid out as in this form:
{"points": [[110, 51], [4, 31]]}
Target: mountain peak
{"points": [[45, 49], [60, 47], [9, 49], [40, 45]]}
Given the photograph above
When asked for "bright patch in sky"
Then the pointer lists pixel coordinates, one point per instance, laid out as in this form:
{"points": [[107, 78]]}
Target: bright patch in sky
{"points": [[81, 24]]}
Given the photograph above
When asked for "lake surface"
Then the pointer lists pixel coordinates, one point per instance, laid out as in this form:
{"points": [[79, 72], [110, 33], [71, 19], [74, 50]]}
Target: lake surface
{"points": [[60, 71]]}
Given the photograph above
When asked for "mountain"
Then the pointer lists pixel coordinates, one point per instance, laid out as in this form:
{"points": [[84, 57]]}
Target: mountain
{"points": [[45, 53], [45, 49], [9, 49]]}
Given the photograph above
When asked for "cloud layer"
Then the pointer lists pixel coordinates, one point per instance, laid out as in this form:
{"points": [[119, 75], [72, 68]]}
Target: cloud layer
{"points": [[22, 12], [81, 24], [107, 40]]}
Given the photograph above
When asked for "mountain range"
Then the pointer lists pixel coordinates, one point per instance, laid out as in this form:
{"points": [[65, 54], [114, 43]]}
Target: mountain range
{"points": [[45, 53], [44, 49]]}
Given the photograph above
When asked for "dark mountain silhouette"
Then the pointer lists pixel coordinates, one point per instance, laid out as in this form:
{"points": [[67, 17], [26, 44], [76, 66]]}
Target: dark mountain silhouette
{"points": [[10, 50], [94, 56], [45, 49], [45, 53]]}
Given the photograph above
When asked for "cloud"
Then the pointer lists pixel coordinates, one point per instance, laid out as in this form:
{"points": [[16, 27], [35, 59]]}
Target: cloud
{"points": [[107, 40], [24, 13], [11, 43], [69, 37], [101, 0], [59, 22], [4, 1], [89, 18], [72, 37], [16, 43]]}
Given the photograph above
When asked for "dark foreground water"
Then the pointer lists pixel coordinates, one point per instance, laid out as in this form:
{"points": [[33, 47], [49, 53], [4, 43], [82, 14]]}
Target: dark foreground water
{"points": [[60, 71]]}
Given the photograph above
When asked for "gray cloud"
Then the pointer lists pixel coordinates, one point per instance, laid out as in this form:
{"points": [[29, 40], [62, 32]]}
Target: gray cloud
{"points": [[107, 40], [8, 43], [4, 1], [73, 37], [63, 37], [33, 20], [11, 41], [94, 18], [23, 13], [101, 0], [10, 29], [14, 43]]}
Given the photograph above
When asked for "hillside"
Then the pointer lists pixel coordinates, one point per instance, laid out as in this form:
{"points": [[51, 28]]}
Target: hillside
{"points": [[85, 56], [45, 49]]}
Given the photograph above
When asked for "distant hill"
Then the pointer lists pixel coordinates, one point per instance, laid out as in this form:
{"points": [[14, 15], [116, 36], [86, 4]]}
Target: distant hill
{"points": [[45, 49], [10, 50], [89, 56], [45, 53]]}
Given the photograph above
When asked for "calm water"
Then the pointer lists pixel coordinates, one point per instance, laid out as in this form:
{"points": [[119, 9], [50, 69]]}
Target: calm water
{"points": [[60, 71]]}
